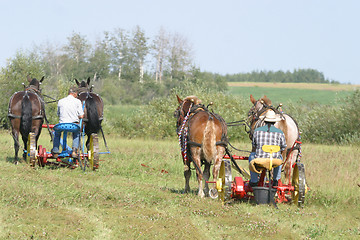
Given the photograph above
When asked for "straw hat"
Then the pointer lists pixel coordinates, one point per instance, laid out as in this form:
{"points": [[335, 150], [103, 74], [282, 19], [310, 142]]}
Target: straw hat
{"points": [[271, 117]]}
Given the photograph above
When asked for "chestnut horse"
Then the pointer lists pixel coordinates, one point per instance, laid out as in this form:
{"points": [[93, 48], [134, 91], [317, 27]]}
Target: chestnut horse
{"points": [[26, 114], [203, 139], [94, 109], [287, 124]]}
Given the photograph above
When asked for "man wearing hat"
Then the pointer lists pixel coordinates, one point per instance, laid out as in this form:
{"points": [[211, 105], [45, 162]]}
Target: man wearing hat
{"points": [[267, 135], [69, 110]]}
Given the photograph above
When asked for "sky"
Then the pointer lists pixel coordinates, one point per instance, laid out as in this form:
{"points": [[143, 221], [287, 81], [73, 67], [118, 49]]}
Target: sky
{"points": [[227, 37]]}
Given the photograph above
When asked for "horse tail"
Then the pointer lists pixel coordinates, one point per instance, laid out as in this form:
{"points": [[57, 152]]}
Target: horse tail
{"points": [[93, 123], [26, 116], [209, 141]]}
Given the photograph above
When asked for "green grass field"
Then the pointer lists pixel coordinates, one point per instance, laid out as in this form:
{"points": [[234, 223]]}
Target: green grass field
{"points": [[125, 200], [297, 94]]}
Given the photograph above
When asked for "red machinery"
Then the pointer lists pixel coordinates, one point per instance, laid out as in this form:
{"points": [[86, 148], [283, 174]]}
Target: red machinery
{"points": [[42, 157], [238, 188]]}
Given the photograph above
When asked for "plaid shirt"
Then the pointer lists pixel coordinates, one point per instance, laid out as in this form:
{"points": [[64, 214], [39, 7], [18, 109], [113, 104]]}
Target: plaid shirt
{"points": [[265, 136]]}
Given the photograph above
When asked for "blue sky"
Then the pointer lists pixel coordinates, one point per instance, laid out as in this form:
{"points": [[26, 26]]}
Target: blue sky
{"points": [[229, 36]]}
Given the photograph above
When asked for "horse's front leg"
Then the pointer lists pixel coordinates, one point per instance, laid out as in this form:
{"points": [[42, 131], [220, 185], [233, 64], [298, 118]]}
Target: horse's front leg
{"points": [[195, 153]]}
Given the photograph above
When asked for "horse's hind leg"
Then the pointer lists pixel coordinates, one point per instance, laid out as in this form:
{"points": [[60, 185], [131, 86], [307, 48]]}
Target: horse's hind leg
{"points": [[187, 175], [15, 136], [220, 151], [206, 178], [195, 153]]}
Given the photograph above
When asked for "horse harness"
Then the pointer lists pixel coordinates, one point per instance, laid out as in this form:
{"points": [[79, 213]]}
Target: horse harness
{"points": [[184, 128], [278, 110], [88, 95], [34, 90]]}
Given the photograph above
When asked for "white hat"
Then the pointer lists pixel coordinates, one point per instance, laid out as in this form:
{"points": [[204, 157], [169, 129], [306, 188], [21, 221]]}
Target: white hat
{"points": [[271, 117]]}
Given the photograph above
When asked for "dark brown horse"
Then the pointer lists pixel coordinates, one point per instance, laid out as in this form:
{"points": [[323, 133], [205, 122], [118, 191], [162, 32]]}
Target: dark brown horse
{"points": [[287, 125], [94, 108], [26, 114], [202, 137]]}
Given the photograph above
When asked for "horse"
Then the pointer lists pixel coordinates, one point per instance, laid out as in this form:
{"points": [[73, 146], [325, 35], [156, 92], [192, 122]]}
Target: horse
{"points": [[26, 113], [287, 125], [202, 134], [93, 111]]}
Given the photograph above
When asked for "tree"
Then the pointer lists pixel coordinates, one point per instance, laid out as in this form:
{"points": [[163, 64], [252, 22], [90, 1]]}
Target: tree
{"points": [[139, 50], [160, 47], [118, 44], [77, 51], [99, 61], [180, 57]]}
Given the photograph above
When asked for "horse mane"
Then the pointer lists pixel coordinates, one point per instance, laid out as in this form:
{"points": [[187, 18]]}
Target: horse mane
{"points": [[193, 99], [83, 84], [266, 100]]}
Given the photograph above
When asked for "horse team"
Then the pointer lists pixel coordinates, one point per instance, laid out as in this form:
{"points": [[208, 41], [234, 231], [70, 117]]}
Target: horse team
{"points": [[26, 112], [202, 133]]}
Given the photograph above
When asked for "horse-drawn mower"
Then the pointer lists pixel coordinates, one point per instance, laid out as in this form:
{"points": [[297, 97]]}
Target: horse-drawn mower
{"points": [[238, 188], [86, 159]]}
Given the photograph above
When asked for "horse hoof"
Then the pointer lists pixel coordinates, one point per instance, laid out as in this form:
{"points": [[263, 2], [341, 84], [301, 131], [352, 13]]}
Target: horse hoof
{"points": [[213, 193]]}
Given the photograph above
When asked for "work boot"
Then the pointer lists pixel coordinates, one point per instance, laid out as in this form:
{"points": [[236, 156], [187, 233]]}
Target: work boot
{"points": [[253, 184], [54, 154], [74, 153], [275, 183]]}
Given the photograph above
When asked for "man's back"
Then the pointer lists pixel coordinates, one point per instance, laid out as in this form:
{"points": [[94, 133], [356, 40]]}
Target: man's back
{"points": [[69, 109], [268, 135]]}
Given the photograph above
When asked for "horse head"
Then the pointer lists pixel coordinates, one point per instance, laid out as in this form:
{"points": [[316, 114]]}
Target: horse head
{"points": [[184, 107], [34, 84], [84, 85], [259, 106]]}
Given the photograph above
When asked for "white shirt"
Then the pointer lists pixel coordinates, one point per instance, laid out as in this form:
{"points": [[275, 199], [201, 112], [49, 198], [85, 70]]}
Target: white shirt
{"points": [[69, 109]]}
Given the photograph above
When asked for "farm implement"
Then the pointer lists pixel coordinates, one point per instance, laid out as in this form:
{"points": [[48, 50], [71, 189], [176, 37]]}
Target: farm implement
{"points": [[89, 158], [228, 188]]}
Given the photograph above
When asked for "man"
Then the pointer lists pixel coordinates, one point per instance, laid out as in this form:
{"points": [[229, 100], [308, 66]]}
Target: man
{"points": [[69, 110], [267, 135]]}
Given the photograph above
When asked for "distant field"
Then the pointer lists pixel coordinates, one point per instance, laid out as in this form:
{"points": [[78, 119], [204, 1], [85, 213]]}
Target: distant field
{"points": [[294, 92]]}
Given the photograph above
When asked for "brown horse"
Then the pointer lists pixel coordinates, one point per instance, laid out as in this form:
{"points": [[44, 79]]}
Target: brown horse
{"points": [[287, 124], [94, 108], [202, 134], [26, 114]]}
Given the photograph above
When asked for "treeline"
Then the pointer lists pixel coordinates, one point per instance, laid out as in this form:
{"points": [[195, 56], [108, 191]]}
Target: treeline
{"points": [[297, 76]]}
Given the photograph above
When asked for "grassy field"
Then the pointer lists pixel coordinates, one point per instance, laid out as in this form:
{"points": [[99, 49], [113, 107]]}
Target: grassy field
{"points": [[294, 92], [125, 200]]}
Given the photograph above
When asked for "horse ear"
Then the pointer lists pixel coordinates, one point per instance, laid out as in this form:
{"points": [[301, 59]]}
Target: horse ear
{"points": [[88, 81], [28, 78], [179, 99], [42, 79], [252, 99], [267, 100], [77, 82]]}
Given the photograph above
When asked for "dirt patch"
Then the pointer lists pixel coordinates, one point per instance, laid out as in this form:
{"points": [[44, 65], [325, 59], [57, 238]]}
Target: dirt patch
{"points": [[315, 86]]}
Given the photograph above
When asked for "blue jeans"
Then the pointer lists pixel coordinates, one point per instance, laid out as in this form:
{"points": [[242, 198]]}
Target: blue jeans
{"points": [[254, 177], [56, 143]]}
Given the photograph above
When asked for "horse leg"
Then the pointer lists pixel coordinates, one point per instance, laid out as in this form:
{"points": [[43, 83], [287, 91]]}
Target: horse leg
{"points": [[220, 151], [206, 175], [288, 166], [15, 135], [25, 139], [195, 153], [187, 175]]}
